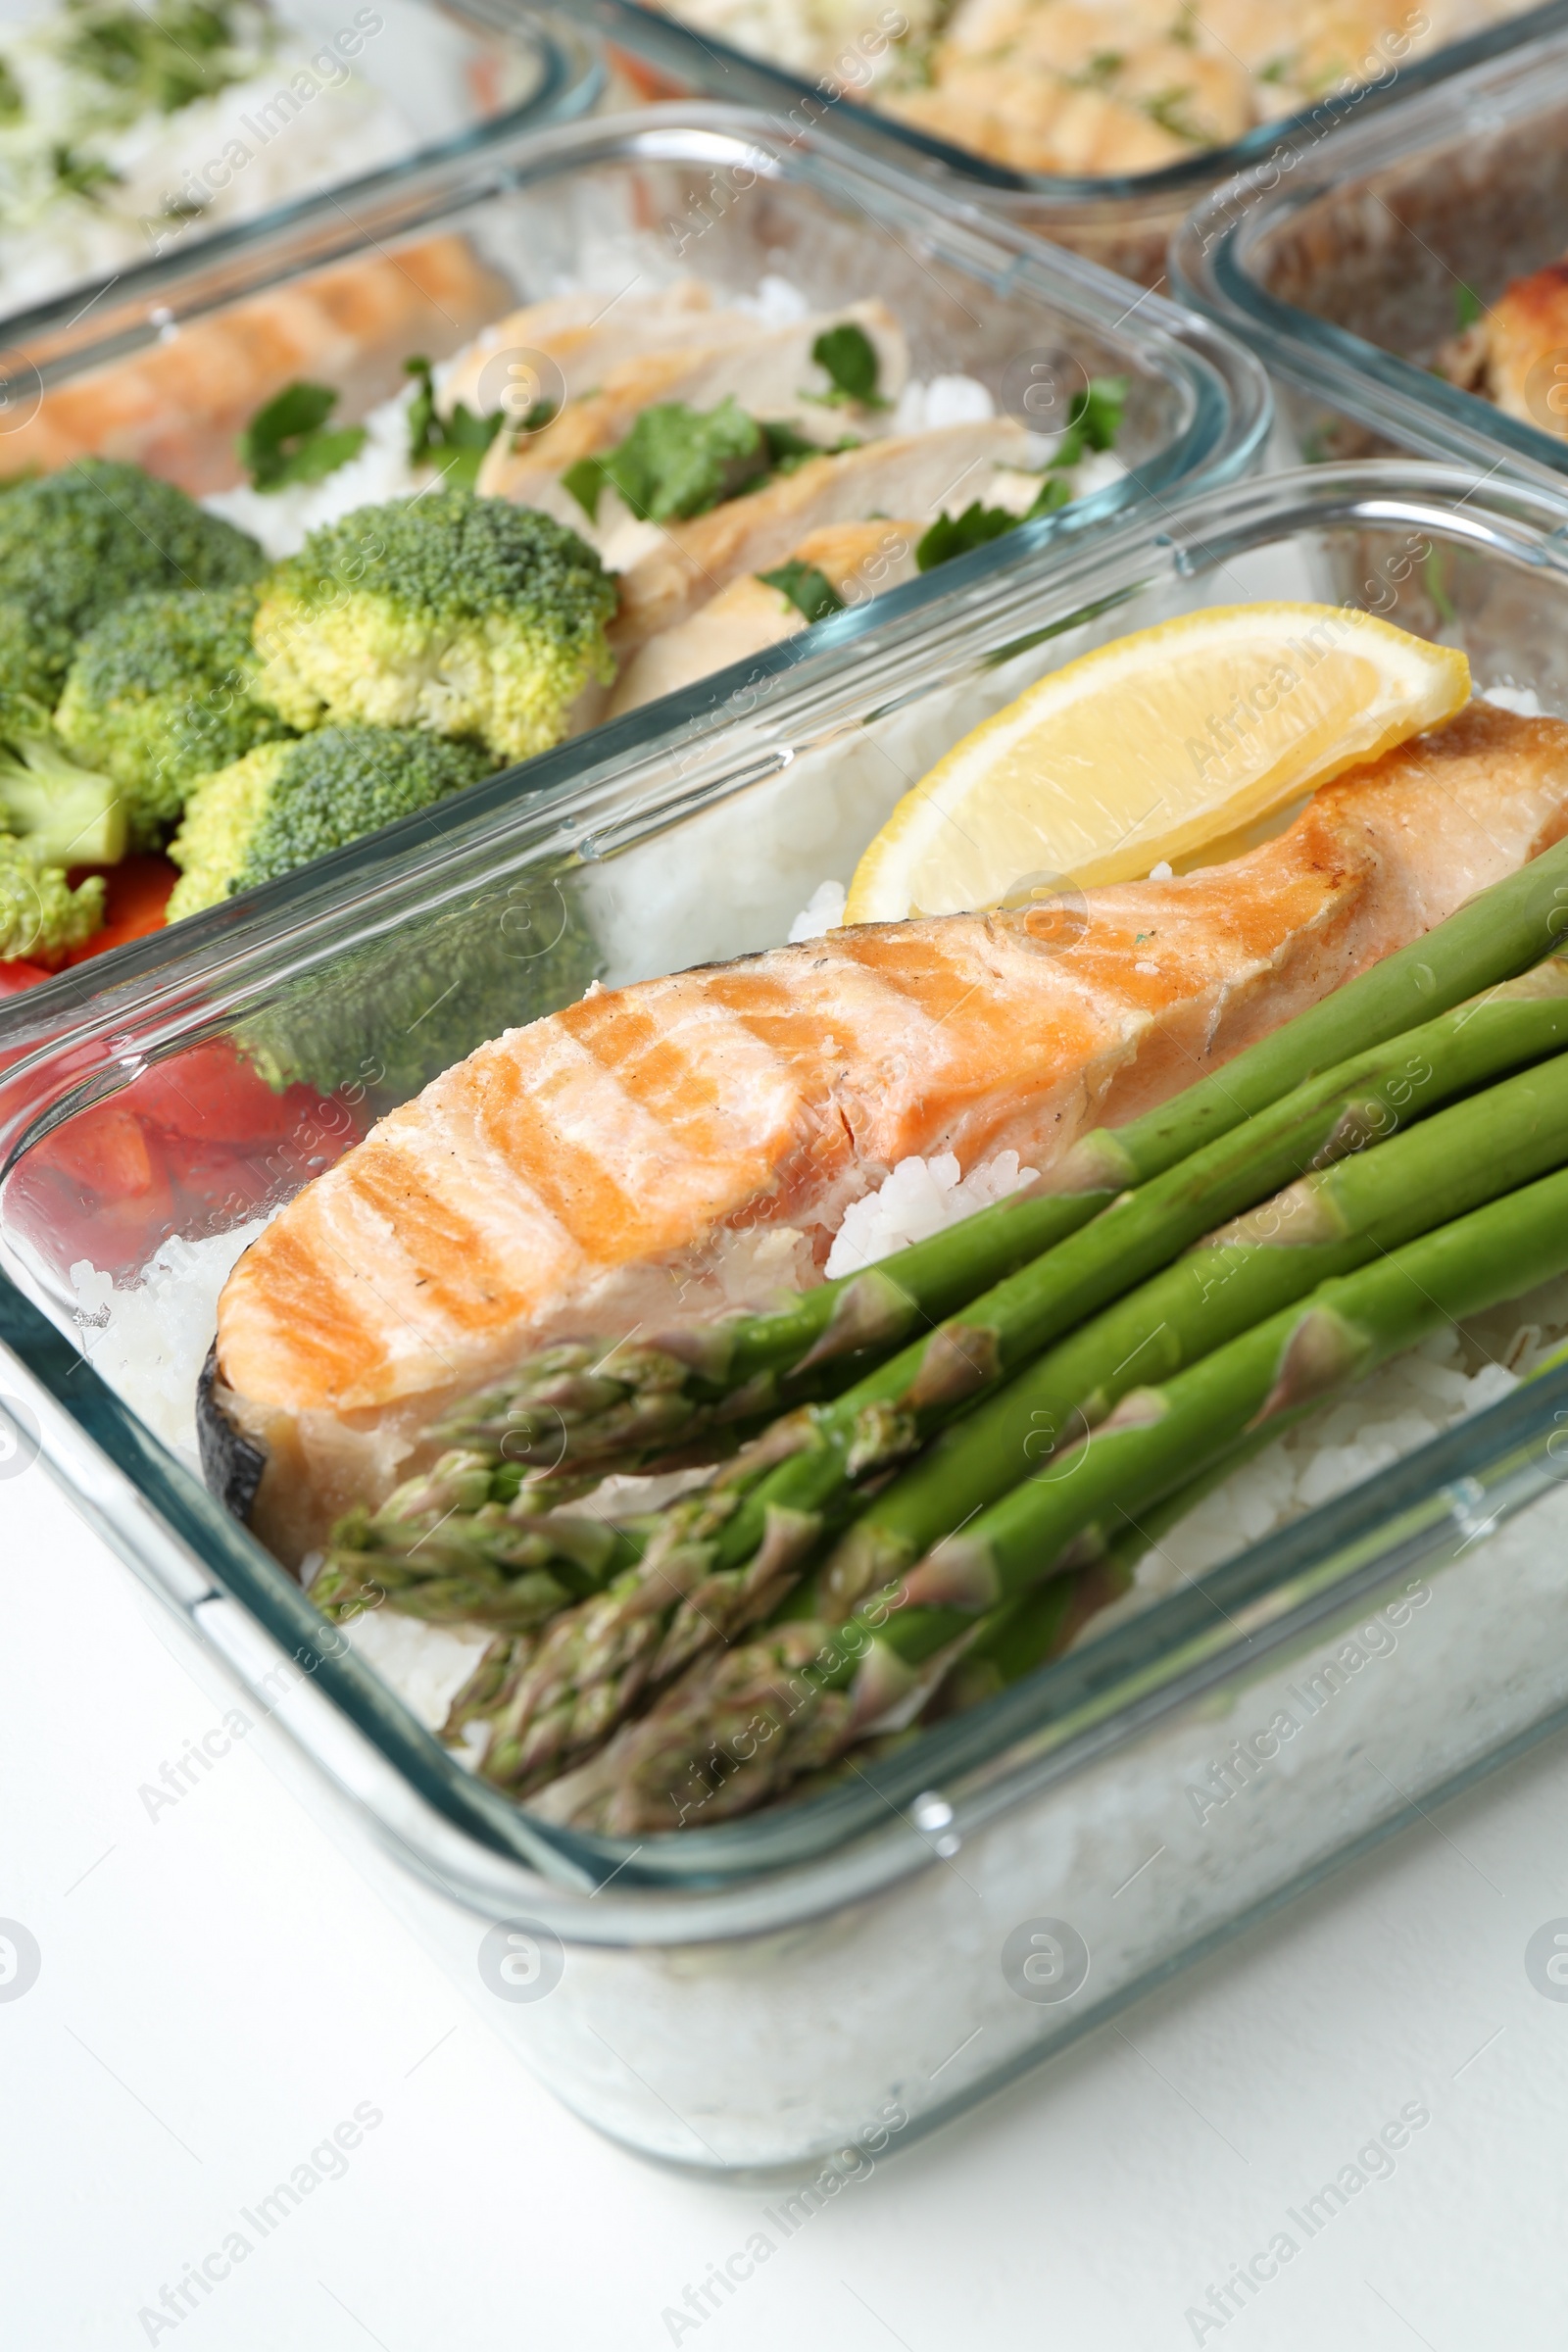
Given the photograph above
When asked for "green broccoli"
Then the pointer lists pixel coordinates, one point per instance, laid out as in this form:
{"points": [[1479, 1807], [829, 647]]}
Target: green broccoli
{"points": [[160, 694], [75, 544], [383, 1020], [40, 915], [284, 803], [461, 614], [56, 812]]}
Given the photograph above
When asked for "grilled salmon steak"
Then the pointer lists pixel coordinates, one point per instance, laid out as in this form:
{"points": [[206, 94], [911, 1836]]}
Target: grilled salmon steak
{"points": [[655, 1150], [176, 408]]}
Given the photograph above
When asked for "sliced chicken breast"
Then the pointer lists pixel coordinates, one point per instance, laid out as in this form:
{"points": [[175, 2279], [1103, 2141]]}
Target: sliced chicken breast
{"points": [[915, 474], [857, 559]]}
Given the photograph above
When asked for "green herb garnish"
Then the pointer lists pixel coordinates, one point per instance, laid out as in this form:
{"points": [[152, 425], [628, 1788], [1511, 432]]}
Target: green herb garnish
{"points": [[955, 535], [1170, 109], [848, 355], [1101, 70], [456, 443], [809, 590], [1468, 306], [80, 175], [164, 60], [789, 449], [1093, 420], [286, 441], [676, 461], [13, 105]]}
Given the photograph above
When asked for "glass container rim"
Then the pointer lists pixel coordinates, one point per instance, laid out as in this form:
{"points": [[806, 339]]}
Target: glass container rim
{"points": [[571, 77], [1210, 269], [663, 39]]}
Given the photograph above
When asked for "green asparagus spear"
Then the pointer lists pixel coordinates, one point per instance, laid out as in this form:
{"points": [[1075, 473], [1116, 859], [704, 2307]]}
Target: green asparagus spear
{"points": [[593, 1402], [813, 1691], [1327, 1223], [468, 1541], [1272, 1376], [725, 1560]]}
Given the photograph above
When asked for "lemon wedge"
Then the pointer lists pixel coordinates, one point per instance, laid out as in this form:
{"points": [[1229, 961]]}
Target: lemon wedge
{"points": [[1149, 749]]}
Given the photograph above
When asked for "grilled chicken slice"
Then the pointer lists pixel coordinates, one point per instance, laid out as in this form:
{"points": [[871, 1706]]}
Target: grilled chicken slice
{"points": [[655, 1152], [857, 559], [179, 407], [585, 336], [921, 474], [1527, 336], [769, 373]]}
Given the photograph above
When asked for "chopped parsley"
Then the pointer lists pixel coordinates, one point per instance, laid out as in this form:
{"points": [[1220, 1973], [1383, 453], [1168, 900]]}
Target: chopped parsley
{"points": [[809, 590], [955, 535], [1468, 306], [1093, 422], [1170, 110], [456, 443], [847, 355], [289, 441], [157, 60], [1100, 73], [677, 461]]}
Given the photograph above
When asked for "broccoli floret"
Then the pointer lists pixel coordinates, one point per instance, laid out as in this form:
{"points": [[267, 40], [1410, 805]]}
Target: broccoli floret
{"points": [[160, 694], [383, 1020], [461, 614], [284, 803], [60, 814], [40, 915], [75, 544]]}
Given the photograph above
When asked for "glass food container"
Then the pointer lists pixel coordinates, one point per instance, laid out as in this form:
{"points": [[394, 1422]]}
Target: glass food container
{"points": [[1348, 282], [1124, 223], [436, 81], [705, 193], [824, 1981]]}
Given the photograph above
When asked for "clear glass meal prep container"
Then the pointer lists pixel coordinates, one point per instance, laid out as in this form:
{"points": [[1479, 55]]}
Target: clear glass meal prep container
{"points": [[830, 1978], [461, 75], [1346, 280], [631, 200], [1124, 221]]}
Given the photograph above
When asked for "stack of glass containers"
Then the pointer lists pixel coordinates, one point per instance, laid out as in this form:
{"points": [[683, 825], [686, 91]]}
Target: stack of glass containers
{"points": [[1123, 222]]}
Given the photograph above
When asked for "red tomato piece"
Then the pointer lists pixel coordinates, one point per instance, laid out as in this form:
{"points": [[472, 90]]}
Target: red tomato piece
{"points": [[134, 904]]}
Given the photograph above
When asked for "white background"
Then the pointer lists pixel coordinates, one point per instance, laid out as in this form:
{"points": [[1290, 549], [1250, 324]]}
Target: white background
{"points": [[219, 1989]]}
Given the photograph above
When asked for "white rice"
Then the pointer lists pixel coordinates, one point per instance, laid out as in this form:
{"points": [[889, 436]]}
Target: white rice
{"points": [[282, 519], [1522, 701], [55, 241], [149, 1339], [920, 1198], [1459, 1371]]}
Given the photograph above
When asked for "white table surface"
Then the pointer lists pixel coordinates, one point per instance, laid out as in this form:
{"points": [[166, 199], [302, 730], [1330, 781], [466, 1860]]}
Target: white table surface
{"points": [[217, 1989]]}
